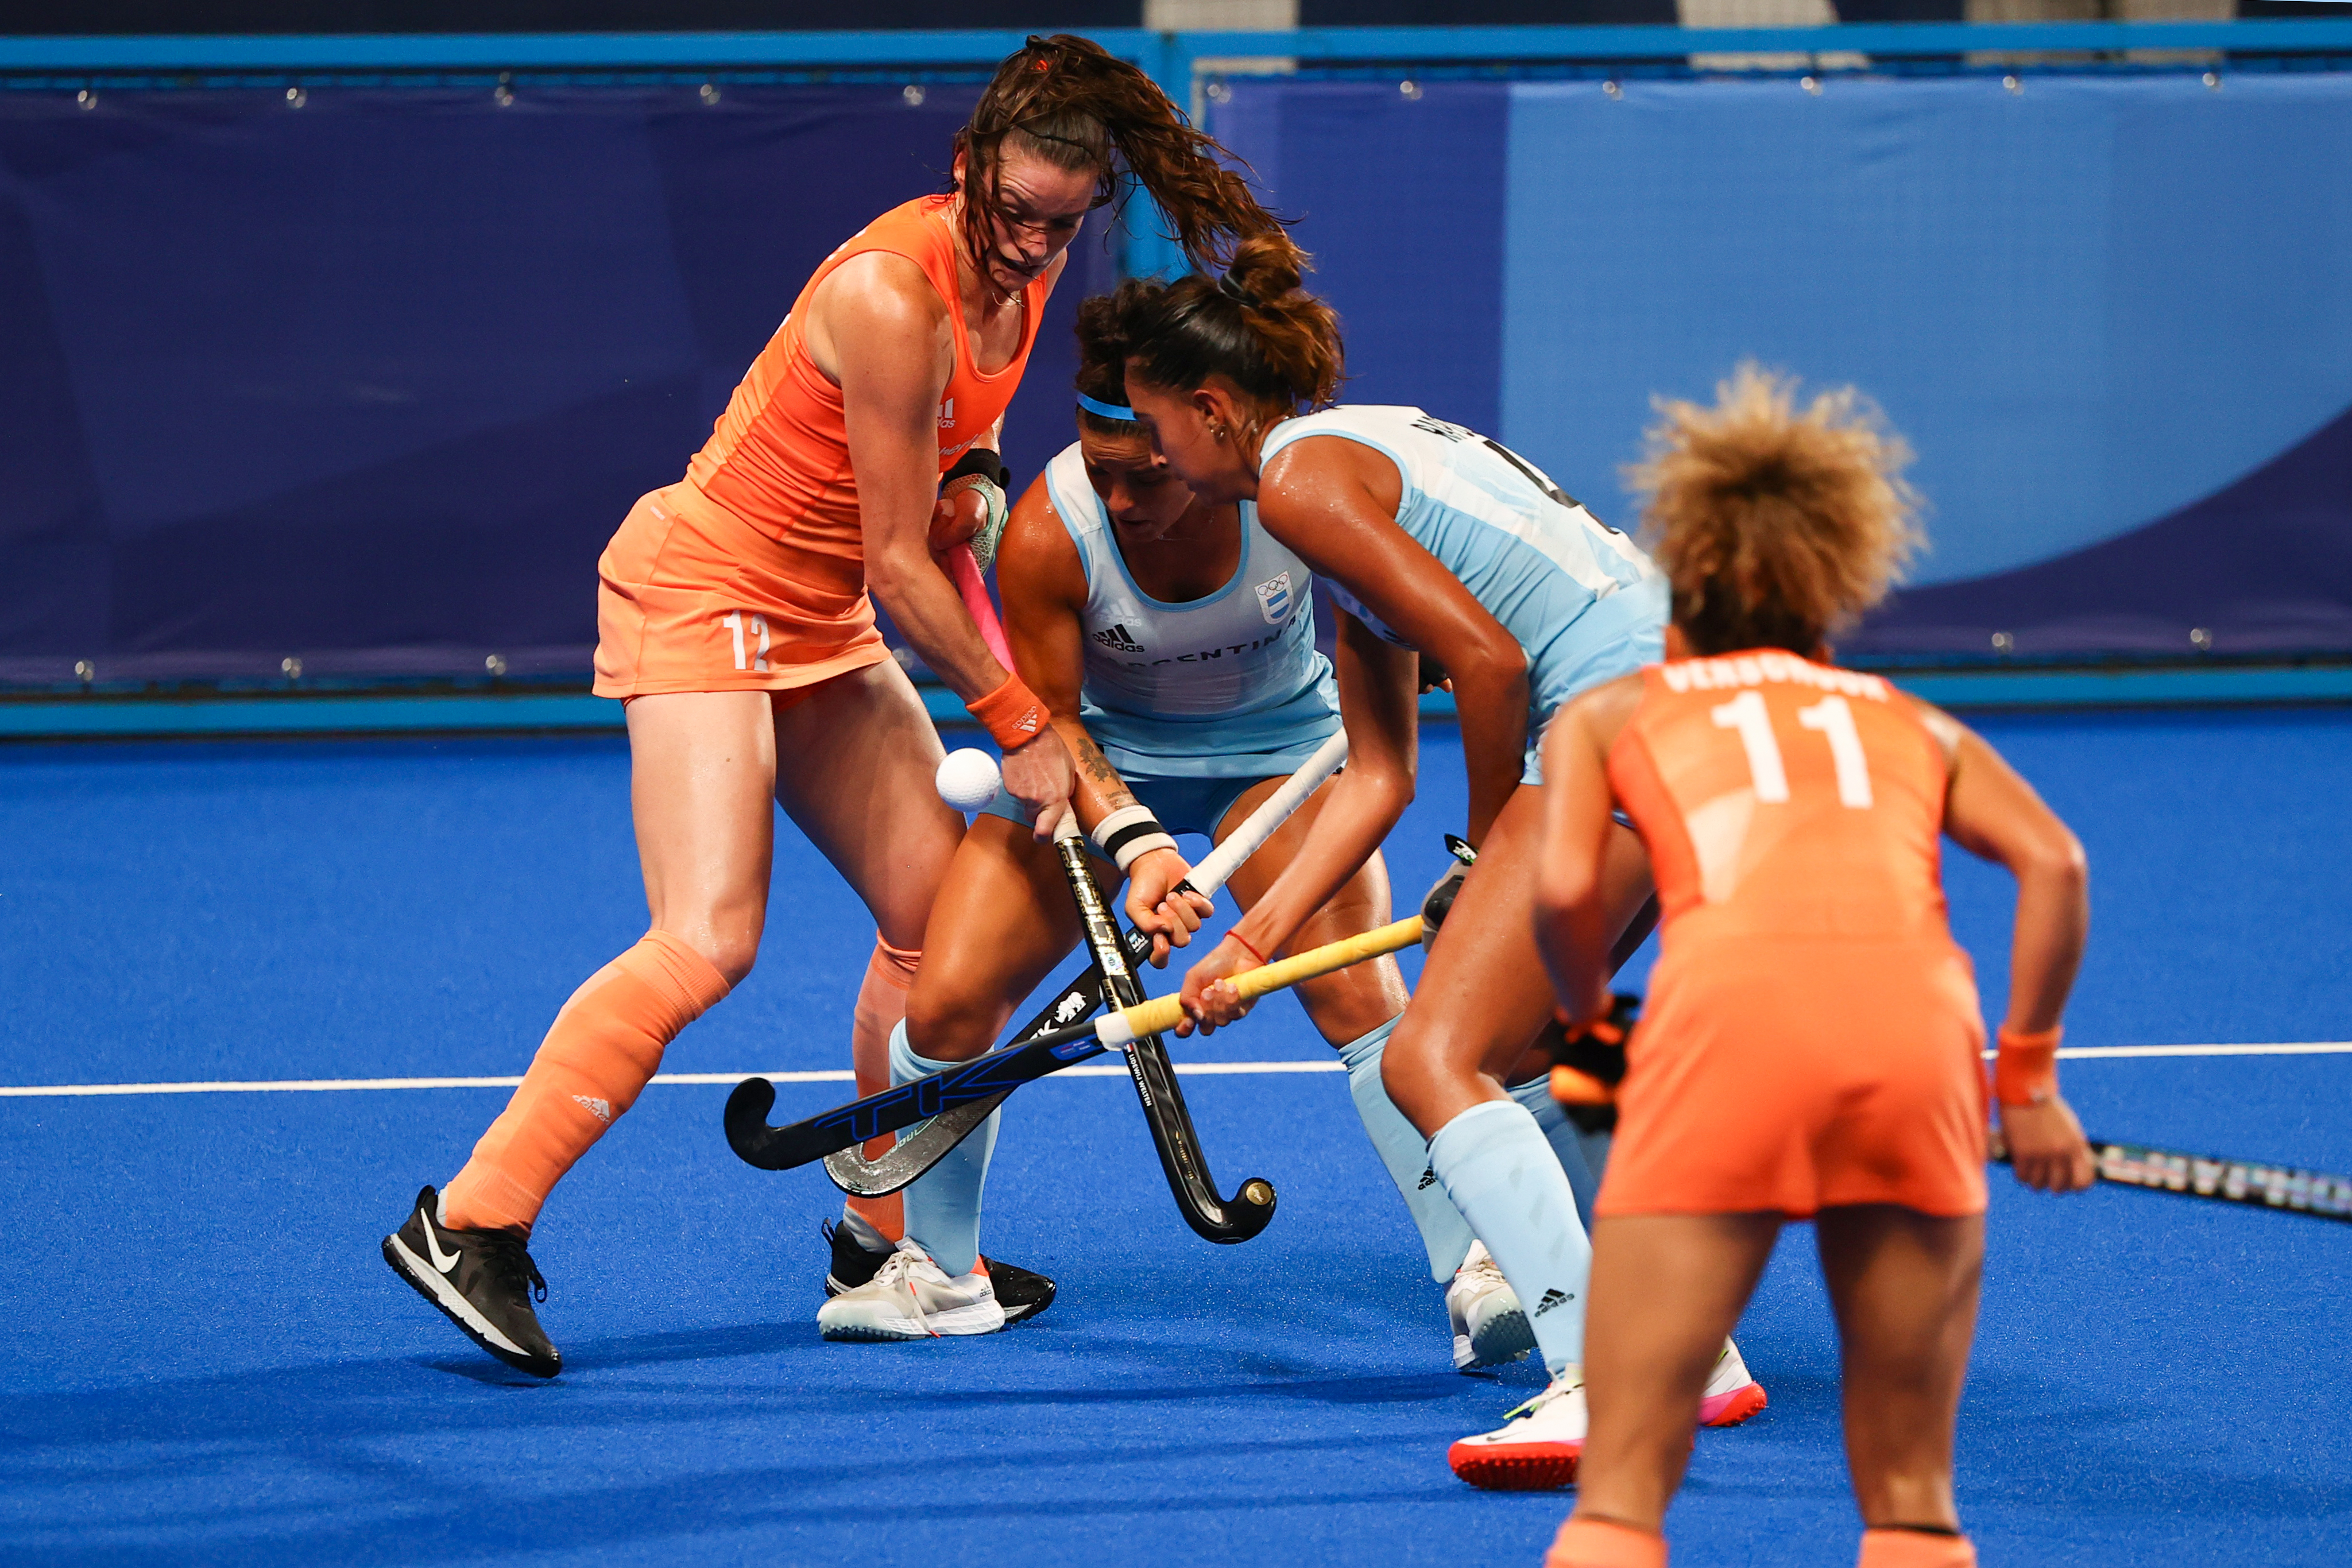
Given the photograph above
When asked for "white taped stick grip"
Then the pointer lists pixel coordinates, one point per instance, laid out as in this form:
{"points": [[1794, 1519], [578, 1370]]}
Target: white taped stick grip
{"points": [[1262, 824]]}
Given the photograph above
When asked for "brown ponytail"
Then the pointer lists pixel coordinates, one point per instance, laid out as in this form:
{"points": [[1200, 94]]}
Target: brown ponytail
{"points": [[1775, 527], [1072, 102], [1254, 326]]}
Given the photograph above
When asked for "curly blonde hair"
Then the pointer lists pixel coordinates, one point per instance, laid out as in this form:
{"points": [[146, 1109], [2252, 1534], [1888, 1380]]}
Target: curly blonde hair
{"points": [[1775, 527]]}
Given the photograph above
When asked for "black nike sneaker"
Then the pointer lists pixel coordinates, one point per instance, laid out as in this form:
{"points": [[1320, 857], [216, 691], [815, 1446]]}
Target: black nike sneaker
{"points": [[482, 1281], [1021, 1293]]}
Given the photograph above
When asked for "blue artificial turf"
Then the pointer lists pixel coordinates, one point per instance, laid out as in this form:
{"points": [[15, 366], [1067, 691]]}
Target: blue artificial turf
{"points": [[203, 1359]]}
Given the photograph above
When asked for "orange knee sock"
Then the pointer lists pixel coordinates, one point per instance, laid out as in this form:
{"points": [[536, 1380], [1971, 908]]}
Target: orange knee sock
{"points": [[1586, 1543], [1915, 1549], [597, 1057], [881, 1003]]}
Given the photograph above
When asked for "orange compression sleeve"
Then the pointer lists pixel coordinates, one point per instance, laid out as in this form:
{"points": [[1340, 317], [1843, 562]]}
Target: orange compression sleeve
{"points": [[1585, 1543], [2025, 1069], [881, 1004], [1915, 1549], [597, 1057], [1010, 714]]}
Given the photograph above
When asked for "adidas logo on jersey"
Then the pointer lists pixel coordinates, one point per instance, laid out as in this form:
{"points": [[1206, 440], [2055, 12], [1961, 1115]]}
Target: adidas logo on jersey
{"points": [[1428, 1180], [1553, 1298], [947, 414], [1117, 637]]}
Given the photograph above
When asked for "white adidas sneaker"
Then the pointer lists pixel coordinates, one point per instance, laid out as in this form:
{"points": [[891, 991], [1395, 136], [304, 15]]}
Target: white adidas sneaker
{"points": [[1489, 1326], [1732, 1394], [1537, 1447], [910, 1296]]}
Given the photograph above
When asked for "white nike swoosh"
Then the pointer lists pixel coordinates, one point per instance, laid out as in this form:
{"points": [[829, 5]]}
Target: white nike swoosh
{"points": [[445, 1261]]}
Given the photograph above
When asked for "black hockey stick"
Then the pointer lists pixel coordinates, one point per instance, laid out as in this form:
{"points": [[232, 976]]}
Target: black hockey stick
{"points": [[2251, 1184], [1213, 1218], [782, 1148], [911, 1156]]}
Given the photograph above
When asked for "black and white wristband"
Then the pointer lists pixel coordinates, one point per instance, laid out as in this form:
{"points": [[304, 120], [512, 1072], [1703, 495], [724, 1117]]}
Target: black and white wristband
{"points": [[1131, 831]]}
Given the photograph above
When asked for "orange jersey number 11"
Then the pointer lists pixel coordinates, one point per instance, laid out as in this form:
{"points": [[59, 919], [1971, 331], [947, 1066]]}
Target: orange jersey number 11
{"points": [[1831, 717]]}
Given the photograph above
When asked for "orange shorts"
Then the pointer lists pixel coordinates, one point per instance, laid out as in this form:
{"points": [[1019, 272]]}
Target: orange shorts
{"points": [[1799, 1075], [693, 599]]}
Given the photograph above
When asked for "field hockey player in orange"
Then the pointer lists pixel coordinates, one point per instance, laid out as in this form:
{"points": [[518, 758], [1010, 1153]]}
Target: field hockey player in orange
{"points": [[1812, 1043], [734, 621]]}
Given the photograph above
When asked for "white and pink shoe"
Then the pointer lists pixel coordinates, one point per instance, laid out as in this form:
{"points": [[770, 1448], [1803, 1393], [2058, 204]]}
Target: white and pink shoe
{"points": [[1540, 1444], [1732, 1394]]}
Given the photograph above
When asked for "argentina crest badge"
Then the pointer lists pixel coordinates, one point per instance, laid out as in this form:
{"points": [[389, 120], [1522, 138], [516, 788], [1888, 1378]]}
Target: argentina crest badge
{"points": [[1273, 599]]}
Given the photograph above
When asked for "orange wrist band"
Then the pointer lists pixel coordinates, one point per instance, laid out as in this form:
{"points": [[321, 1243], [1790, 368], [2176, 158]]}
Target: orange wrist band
{"points": [[2025, 1071], [1247, 948], [1010, 714]]}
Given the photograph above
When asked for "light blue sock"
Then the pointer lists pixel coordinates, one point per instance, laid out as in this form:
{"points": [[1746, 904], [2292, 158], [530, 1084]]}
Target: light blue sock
{"points": [[1582, 1155], [943, 1203], [1501, 1172], [1405, 1152]]}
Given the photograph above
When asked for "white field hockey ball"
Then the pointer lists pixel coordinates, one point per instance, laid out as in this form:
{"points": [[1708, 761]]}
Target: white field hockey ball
{"points": [[968, 780]]}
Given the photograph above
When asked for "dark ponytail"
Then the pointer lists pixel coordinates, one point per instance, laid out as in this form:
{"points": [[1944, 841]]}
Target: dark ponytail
{"points": [[1253, 325]]}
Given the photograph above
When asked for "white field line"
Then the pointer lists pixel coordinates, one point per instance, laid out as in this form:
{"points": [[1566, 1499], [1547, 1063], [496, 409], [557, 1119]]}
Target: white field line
{"points": [[315, 1085], [1188, 1069]]}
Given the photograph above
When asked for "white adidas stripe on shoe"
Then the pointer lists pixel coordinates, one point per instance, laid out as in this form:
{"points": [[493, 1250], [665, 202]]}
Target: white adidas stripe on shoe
{"points": [[910, 1296]]}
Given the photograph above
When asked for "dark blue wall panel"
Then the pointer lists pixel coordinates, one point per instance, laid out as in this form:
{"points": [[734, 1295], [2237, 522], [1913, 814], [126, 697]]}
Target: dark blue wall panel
{"points": [[370, 381], [1400, 199]]}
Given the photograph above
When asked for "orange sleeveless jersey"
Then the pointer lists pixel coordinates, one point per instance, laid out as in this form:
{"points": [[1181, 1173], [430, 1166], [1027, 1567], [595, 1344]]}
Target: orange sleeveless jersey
{"points": [[751, 571], [1811, 1035]]}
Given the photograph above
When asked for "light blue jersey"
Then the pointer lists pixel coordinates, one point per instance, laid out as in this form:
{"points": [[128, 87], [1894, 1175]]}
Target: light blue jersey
{"points": [[1581, 600], [1229, 686]]}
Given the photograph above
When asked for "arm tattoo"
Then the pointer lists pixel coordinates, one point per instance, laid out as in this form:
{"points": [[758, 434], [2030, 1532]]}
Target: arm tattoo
{"points": [[1107, 784]]}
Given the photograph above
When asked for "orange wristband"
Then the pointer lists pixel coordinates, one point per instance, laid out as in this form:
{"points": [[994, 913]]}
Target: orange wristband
{"points": [[2025, 1071], [1010, 714]]}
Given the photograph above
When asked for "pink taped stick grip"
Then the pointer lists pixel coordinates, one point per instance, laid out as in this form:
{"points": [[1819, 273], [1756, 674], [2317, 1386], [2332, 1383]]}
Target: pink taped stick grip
{"points": [[963, 568]]}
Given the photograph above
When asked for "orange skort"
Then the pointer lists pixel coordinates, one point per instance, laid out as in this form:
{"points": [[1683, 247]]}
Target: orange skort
{"points": [[691, 598], [1803, 1075]]}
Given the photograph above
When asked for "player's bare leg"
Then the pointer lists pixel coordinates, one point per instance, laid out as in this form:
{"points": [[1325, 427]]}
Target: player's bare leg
{"points": [[855, 762], [1904, 1288], [1002, 923], [1483, 995], [701, 770], [1666, 1290]]}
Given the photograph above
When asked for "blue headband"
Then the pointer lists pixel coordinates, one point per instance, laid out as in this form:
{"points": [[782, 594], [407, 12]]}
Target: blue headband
{"points": [[1107, 410]]}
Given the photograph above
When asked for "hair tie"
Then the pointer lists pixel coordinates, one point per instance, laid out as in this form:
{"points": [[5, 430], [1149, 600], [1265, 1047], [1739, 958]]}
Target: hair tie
{"points": [[1230, 287]]}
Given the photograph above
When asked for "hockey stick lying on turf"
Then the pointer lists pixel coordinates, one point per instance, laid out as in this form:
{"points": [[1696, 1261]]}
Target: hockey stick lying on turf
{"points": [[912, 1156], [2254, 1183], [782, 1148]]}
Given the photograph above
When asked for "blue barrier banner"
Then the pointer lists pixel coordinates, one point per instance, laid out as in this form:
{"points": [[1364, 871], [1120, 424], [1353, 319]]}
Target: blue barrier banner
{"points": [[2112, 313], [367, 378]]}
